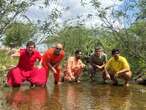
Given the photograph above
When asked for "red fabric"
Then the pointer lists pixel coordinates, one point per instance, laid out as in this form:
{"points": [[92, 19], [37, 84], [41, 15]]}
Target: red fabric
{"points": [[57, 76], [41, 77], [49, 57], [26, 61], [17, 76], [25, 70]]}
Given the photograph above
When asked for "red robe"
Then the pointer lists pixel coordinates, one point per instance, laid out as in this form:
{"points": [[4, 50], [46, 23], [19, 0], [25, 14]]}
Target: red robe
{"points": [[25, 70], [49, 57]]}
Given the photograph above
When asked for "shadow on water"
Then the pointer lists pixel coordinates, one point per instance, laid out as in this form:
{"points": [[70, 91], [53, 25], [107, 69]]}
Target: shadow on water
{"points": [[72, 96]]}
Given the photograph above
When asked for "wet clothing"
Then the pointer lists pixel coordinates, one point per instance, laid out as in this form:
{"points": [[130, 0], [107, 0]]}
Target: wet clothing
{"points": [[116, 65], [25, 70], [73, 68], [54, 60]]}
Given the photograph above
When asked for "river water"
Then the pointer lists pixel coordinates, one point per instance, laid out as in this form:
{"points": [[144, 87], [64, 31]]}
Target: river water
{"points": [[74, 96]]}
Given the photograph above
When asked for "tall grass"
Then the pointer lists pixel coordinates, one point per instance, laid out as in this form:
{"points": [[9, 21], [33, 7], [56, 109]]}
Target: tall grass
{"points": [[6, 61]]}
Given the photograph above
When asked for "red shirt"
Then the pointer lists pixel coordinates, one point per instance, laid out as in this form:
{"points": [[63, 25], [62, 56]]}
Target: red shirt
{"points": [[27, 61], [49, 57]]}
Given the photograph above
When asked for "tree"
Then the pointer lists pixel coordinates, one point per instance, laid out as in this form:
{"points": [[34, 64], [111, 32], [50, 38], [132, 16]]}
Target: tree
{"points": [[18, 33], [129, 35], [10, 9], [77, 37]]}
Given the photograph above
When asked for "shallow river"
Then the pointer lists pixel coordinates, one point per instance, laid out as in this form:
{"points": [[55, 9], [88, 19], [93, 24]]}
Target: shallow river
{"points": [[72, 96]]}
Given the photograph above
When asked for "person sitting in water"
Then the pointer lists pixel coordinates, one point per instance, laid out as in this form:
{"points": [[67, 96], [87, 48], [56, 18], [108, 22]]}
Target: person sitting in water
{"points": [[118, 67], [74, 67]]}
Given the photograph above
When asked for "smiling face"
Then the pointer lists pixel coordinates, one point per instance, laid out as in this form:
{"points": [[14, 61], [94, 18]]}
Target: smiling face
{"points": [[30, 47]]}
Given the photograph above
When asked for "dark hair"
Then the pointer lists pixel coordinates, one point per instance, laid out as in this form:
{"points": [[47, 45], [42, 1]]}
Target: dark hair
{"points": [[115, 51], [98, 48], [77, 51], [30, 43]]}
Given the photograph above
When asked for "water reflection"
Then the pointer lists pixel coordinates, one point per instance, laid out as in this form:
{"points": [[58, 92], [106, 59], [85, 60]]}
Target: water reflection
{"points": [[72, 97], [54, 100], [111, 98], [32, 99], [83, 96], [77, 97]]}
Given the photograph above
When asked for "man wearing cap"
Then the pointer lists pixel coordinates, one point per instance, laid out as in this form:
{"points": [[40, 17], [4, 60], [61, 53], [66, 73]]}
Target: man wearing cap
{"points": [[97, 62], [118, 67], [51, 61]]}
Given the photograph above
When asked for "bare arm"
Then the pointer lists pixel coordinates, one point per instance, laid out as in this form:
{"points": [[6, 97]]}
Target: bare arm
{"points": [[123, 71], [56, 64], [52, 68], [105, 61], [16, 54], [107, 74], [92, 62], [100, 66]]}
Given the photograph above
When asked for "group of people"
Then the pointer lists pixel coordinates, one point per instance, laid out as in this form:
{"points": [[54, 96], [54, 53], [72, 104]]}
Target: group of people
{"points": [[26, 69], [116, 67]]}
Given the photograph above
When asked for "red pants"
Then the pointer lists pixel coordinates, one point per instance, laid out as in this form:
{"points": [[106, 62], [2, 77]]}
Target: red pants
{"points": [[56, 75], [17, 76]]}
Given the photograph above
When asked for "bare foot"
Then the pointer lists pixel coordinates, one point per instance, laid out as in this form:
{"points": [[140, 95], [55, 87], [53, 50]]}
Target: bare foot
{"points": [[58, 83], [127, 84], [78, 81]]}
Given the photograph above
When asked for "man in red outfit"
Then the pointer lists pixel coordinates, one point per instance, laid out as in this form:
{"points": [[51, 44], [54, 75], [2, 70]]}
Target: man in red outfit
{"points": [[51, 61], [25, 69]]}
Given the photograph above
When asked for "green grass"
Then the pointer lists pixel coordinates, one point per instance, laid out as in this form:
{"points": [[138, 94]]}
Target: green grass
{"points": [[6, 60]]}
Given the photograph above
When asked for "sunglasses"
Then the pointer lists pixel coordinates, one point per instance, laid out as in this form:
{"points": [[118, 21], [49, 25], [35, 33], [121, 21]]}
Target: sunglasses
{"points": [[58, 48]]}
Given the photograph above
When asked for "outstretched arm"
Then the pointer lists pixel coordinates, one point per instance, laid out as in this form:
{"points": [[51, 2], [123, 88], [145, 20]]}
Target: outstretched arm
{"points": [[16, 54]]}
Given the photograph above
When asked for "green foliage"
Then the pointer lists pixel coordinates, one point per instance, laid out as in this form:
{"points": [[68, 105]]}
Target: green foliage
{"points": [[75, 38], [142, 8], [95, 3], [131, 42], [6, 61], [130, 37], [9, 10], [137, 42], [18, 33]]}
